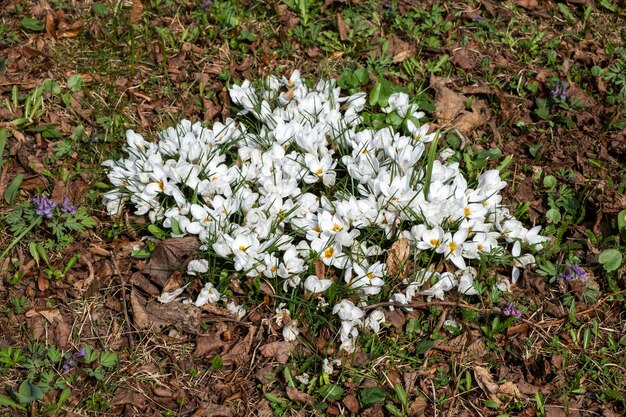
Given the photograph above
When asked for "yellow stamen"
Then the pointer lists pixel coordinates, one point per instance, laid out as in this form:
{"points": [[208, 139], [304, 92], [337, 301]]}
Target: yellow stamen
{"points": [[466, 211], [337, 228], [319, 171], [328, 253], [452, 246], [242, 248], [434, 242]]}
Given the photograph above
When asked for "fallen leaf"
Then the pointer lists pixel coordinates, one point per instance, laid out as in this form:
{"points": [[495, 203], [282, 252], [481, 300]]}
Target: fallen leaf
{"points": [[342, 28], [123, 396], [297, 395], [206, 344], [396, 318], [61, 333], [212, 410], [50, 24], [510, 390], [136, 11], [168, 257], [50, 315], [486, 383], [320, 269], [43, 283], [527, 4], [278, 350], [351, 403], [448, 104], [240, 350], [397, 256]]}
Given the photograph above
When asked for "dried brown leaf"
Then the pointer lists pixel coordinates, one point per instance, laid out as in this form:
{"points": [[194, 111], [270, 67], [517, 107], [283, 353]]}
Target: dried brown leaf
{"points": [[213, 410], [351, 403], [397, 256], [486, 383], [50, 24], [61, 333], [396, 318], [140, 317], [168, 257], [297, 395], [123, 396], [42, 282], [278, 350], [320, 269], [206, 344], [242, 349], [448, 103], [527, 4], [342, 28], [136, 11]]}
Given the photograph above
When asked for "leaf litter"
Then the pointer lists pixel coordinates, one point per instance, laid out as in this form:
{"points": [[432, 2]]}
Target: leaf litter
{"points": [[26, 68]]}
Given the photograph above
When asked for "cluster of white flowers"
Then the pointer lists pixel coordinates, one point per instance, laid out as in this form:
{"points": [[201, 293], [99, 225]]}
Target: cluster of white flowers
{"points": [[298, 177]]}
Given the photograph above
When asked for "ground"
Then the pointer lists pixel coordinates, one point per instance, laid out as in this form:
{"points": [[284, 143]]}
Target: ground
{"points": [[537, 86]]}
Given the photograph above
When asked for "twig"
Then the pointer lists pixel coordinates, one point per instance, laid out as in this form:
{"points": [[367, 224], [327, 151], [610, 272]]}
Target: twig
{"points": [[131, 343]]}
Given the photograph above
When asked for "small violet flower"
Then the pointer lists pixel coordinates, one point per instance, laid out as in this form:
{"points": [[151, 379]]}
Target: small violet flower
{"points": [[44, 206], [511, 311], [206, 4], [574, 272], [75, 357], [66, 207], [559, 91]]}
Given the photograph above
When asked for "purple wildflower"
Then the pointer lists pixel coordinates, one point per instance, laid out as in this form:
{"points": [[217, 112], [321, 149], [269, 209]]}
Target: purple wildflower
{"points": [[75, 357], [44, 206], [388, 6], [511, 311], [559, 91], [66, 207], [574, 272], [206, 4]]}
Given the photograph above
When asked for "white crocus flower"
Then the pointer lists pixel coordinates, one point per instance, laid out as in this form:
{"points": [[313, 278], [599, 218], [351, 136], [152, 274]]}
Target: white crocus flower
{"points": [[197, 266], [466, 281], [236, 309], [374, 320], [447, 281], [368, 281], [431, 239], [348, 311], [398, 102], [291, 331], [208, 294], [314, 285]]}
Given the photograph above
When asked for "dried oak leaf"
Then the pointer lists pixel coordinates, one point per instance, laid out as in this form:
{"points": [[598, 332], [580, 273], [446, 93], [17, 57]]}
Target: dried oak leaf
{"points": [[278, 350], [168, 257], [451, 107]]}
